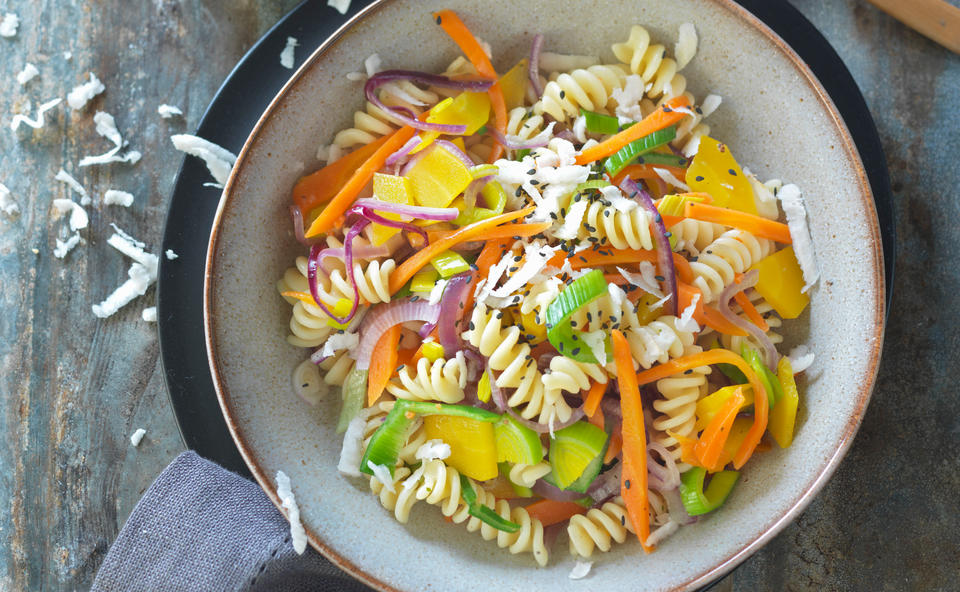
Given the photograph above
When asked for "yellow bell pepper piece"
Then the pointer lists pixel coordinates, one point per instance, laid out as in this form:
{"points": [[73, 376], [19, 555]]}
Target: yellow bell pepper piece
{"points": [[473, 450], [715, 171], [393, 189], [780, 283], [438, 178], [533, 332], [341, 308], [431, 350], [738, 433], [514, 85], [471, 109], [783, 416], [647, 312], [708, 406]]}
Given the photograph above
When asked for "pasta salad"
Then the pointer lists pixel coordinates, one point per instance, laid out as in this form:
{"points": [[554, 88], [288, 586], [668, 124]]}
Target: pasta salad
{"points": [[552, 300]]}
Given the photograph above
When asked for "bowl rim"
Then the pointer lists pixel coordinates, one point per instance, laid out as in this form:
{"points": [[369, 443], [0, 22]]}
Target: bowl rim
{"points": [[767, 532]]}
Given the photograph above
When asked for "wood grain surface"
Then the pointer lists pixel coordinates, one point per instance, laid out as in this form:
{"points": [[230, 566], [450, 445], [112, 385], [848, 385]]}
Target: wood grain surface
{"points": [[73, 387]]}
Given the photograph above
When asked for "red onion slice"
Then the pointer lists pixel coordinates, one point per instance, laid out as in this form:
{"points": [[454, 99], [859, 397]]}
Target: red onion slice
{"points": [[364, 252], [533, 68], [296, 216], [606, 485], [544, 489], [403, 152], [473, 191], [675, 504], [451, 309], [384, 316], [313, 266], [770, 355], [381, 78], [455, 150], [664, 252], [420, 212], [667, 474]]}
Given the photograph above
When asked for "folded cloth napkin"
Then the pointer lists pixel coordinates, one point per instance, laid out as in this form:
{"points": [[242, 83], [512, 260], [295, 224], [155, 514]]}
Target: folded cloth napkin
{"points": [[201, 527]]}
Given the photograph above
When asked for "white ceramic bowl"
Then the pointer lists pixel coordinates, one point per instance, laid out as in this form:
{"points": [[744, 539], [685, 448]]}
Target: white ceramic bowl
{"points": [[780, 123]]}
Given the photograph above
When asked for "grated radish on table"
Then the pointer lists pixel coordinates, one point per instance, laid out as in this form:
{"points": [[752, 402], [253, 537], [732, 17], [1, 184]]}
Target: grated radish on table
{"points": [[107, 127], [63, 247], [36, 123], [8, 205], [142, 274], [168, 111], [28, 73], [287, 55], [137, 436], [82, 93], [113, 197], [9, 24], [149, 314]]}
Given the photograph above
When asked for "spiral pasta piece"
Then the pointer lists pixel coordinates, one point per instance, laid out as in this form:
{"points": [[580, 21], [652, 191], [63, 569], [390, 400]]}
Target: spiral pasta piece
{"points": [[308, 323], [677, 407], [443, 380], [693, 236], [590, 88], [649, 61], [400, 500], [524, 124], [337, 367], [511, 358], [439, 485], [731, 253], [373, 122], [598, 528], [571, 376], [526, 475], [628, 229]]}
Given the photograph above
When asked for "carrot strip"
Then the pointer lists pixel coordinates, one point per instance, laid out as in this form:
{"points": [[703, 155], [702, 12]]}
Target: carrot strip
{"points": [[598, 420], [600, 257], [615, 447], [461, 35], [416, 261], [634, 485], [663, 117], [382, 363], [550, 512], [316, 189], [705, 315], [720, 356], [505, 231], [594, 396], [344, 198], [751, 311], [304, 297], [645, 171], [710, 445], [755, 225]]}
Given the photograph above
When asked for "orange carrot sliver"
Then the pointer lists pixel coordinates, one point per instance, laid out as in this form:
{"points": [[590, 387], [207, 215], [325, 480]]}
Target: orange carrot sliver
{"points": [[550, 512], [751, 311], [344, 198], [755, 225], [305, 297], [710, 446], [461, 35], [615, 447], [634, 485], [490, 254], [663, 117], [705, 315], [316, 189], [600, 257], [416, 262], [383, 362], [594, 396], [720, 356], [505, 231]]}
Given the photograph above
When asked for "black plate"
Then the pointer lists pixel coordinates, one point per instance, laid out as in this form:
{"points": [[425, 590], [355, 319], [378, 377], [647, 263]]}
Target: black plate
{"points": [[238, 105]]}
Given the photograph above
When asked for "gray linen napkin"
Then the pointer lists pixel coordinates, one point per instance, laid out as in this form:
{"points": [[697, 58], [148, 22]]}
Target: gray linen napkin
{"points": [[201, 527]]}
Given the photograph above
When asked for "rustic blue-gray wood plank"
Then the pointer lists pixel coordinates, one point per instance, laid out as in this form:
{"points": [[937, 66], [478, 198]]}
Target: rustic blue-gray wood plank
{"points": [[73, 388]]}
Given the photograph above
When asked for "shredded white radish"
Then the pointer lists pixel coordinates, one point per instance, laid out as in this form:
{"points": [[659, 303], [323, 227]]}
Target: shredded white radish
{"points": [[686, 46], [78, 216], [219, 160], [137, 436], [149, 314], [9, 24], [433, 450], [8, 205], [63, 247], [298, 536], [580, 570], [113, 197], [792, 202], [82, 93], [36, 123], [28, 73]]}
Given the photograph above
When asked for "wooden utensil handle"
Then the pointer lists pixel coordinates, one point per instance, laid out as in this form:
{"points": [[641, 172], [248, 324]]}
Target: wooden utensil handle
{"points": [[935, 19]]}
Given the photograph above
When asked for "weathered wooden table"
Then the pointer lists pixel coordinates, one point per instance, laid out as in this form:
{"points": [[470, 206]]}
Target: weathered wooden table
{"points": [[73, 387]]}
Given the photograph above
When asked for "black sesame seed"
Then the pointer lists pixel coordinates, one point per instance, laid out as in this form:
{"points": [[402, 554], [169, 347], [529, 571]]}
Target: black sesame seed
{"points": [[576, 351], [732, 172], [534, 182], [668, 234], [518, 192], [690, 371], [532, 172], [699, 178], [667, 109], [472, 326], [563, 94], [626, 484], [414, 298], [660, 278], [438, 20]]}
